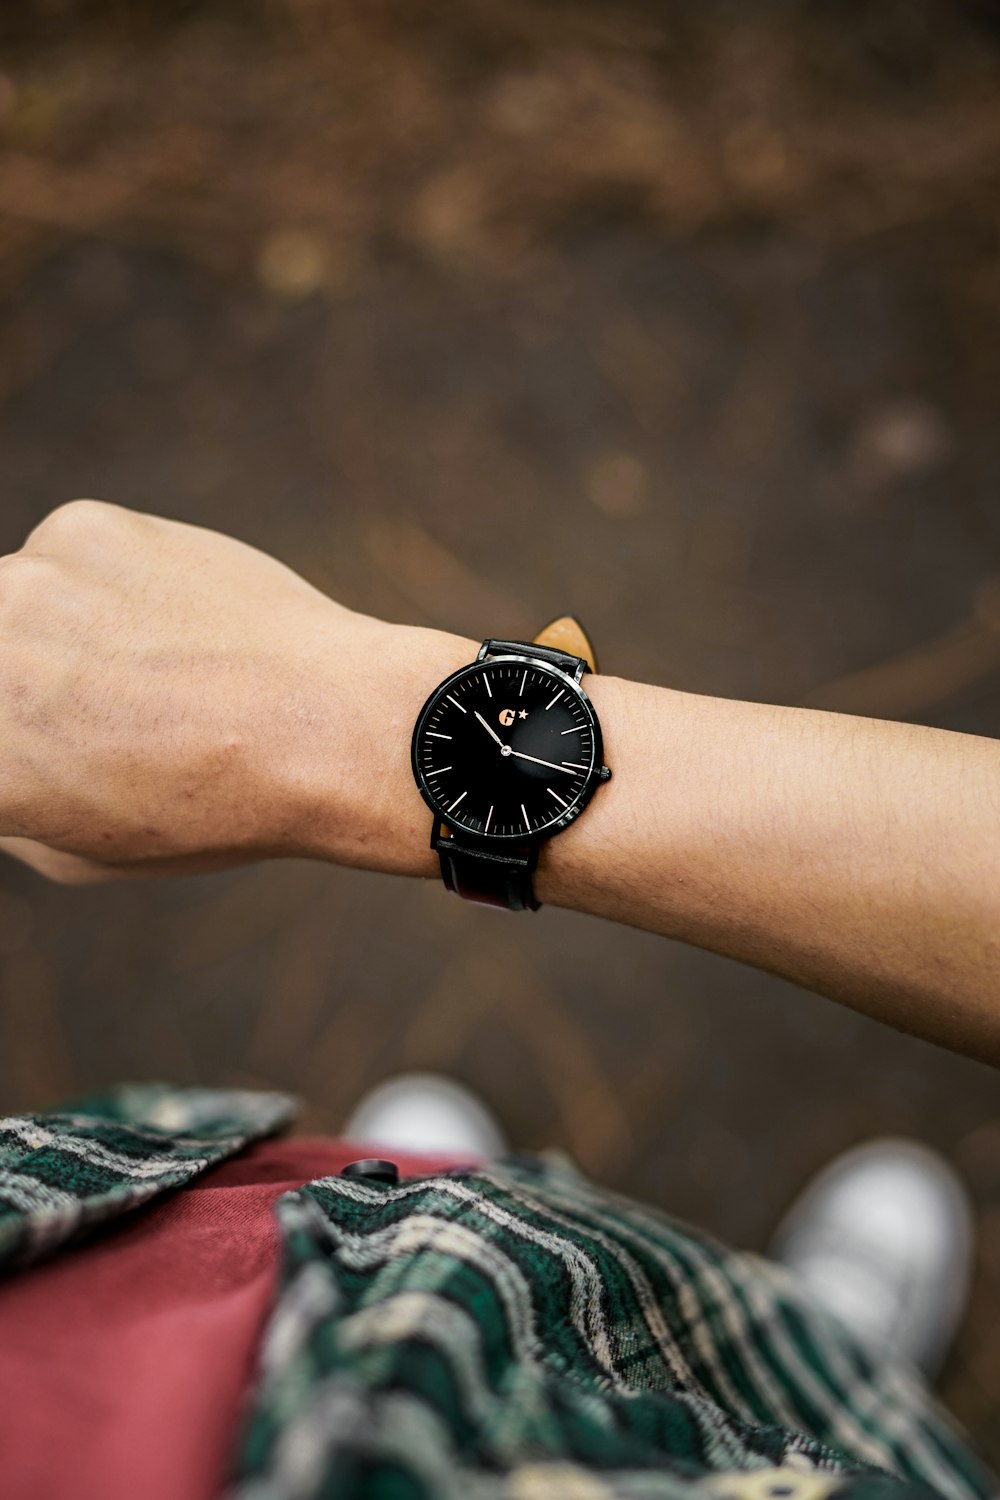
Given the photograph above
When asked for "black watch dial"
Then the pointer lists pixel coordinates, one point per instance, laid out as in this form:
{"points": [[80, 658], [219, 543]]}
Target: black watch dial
{"points": [[507, 749]]}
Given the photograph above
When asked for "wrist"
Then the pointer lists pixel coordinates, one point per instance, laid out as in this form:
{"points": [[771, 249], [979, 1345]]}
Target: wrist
{"points": [[574, 866], [362, 807], [470, 866]]}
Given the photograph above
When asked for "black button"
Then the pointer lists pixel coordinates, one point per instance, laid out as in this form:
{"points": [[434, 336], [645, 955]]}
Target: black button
{"points": [[373, 1170]]}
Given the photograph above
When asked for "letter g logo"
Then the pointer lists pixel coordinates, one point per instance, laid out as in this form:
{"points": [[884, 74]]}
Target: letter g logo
{"points": [[506, 716]]}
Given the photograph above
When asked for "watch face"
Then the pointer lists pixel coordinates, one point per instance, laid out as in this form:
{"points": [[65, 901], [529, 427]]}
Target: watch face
{"points": [[507, 749]]}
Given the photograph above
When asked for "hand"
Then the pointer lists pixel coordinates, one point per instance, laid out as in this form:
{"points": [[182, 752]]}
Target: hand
{"points": [[173, 700]]}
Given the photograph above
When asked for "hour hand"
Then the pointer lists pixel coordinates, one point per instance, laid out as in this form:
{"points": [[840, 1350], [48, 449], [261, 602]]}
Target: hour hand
{"points": [[489, 730]]}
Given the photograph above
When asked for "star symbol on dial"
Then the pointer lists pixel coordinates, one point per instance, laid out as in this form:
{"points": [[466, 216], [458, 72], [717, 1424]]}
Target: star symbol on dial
{"points": [[523, 714]]}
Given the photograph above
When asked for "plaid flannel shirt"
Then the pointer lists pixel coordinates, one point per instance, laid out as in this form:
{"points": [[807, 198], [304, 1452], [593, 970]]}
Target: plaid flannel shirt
{"points": [[511, 1333]]}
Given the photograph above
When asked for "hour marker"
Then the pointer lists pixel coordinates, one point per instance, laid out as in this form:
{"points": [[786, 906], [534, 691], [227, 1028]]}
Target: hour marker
{"points": [[456, 703], [557, 797], [439, 773], [524, 815], [489, 816], [432, 734], [573, 730], [556, 698], [457, 800], [573, 767], [523, 681], [486, 685]]}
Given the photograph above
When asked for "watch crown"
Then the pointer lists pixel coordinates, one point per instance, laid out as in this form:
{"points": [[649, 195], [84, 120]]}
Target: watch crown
{"points": [[604, 774]]}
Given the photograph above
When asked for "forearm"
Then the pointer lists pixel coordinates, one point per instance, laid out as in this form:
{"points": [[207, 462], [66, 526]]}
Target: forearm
{"points": [[857, 857], [172, 700]]}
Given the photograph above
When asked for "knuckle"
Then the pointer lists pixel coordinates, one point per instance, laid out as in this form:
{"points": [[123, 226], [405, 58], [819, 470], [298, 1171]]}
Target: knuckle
{"points": [[25, 577], [86, 515], [78, 519]]}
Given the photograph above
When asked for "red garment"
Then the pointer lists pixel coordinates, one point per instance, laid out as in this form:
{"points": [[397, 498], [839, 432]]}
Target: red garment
{"points": [[124, 1361]]}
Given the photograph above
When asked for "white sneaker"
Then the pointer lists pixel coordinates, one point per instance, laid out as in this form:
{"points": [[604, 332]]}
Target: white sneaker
{"points": [[882, 1237], [426, 1112]]}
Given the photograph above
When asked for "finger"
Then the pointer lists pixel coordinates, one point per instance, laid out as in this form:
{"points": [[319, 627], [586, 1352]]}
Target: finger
{"points": [[56, 864], [75, 869]]}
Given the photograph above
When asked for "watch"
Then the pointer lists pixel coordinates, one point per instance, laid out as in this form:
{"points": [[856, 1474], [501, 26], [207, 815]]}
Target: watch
{"points": [[507, 752]]}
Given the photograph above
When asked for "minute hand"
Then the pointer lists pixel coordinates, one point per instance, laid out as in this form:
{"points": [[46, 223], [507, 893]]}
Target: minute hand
{"points": [[551, 764]]}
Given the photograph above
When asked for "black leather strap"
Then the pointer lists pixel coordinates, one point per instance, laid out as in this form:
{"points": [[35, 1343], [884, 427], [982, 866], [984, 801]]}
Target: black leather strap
{"points": [[482, 874], [575, 666]]}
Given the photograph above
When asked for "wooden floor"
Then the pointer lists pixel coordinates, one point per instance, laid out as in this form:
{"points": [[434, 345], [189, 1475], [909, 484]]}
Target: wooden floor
{"points": [[681, 318]]}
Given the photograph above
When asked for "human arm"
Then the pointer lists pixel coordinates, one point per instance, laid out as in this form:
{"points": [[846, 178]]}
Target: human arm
{"points": [[172, 700], [857, 857]]}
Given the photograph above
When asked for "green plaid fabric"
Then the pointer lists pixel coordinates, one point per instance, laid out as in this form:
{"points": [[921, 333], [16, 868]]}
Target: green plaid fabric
{"points": [[63, 1174], [506, 1334]]}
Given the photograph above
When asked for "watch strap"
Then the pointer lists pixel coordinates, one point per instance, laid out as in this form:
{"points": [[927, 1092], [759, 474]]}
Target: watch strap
{"points": [[566, 634], [574, 663], [470, 867], [482, 874]]}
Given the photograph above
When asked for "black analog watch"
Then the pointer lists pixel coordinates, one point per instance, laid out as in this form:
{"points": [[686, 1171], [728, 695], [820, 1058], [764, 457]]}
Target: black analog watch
{"points": [[506, 752]]}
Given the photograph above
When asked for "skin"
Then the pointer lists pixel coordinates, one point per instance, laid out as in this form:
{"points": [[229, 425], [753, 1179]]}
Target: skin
{"points": [[173, 701]]}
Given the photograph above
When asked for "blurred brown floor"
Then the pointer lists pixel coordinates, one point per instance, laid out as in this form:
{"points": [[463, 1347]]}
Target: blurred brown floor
{"points": [[682, 317]]}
